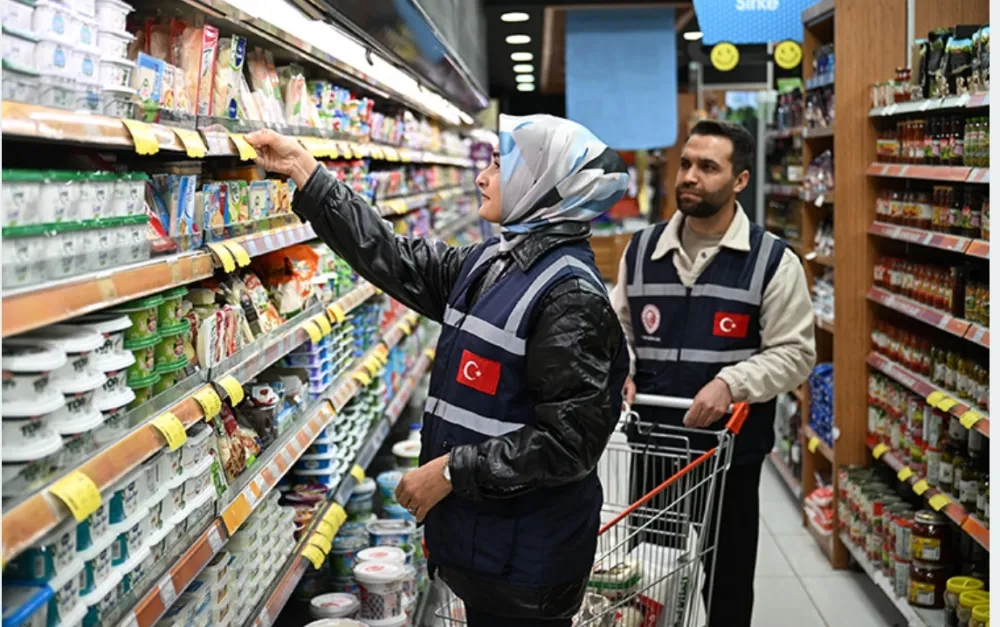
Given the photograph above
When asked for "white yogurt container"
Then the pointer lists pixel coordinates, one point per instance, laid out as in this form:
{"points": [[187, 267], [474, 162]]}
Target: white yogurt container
{"points": [[27, 431], [66, 587], [129, 195], [197, 480], [22, 264], [21, 190], [112, 14], [149, 482], [174, 503], [131, 538], [126, 497], [114, 44], [52, 20], [97, 563], [18, 13], [54, 554], [85, 8], [19, 46], [198, 447], [101, 600], [387, 554], [334, 605], [112, 329], [94, 531], [116, 73], [84, 32], [386, 532], [134, 570], [113, 408], [57, 200], [118, 102], [96, 188], [78, 344], [27, 370], [53, 57], [396, 621], [381, 590]]}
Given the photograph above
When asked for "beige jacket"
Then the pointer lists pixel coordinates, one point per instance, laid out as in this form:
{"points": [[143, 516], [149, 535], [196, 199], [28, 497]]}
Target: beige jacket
{"points": [[788, 350]]}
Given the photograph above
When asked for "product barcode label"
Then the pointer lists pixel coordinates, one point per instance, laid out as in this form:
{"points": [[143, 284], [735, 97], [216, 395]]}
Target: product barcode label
{"points": [[168, 593], [215, 539]]}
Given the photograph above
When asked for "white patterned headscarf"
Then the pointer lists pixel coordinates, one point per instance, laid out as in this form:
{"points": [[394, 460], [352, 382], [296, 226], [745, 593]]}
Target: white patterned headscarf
{"points": [[553, 170]]}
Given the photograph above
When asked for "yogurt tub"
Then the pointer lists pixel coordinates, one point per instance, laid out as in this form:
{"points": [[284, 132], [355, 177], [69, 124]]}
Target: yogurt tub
{"points": [[84, 32], [116, 73], [395, 511], [96, 188], [322, 448], [57, 199], [76, 343], [113, 44], [134, 570], [381, 590], [174, 503], [114, 411], [52, 57], [66, 587], [112, 14], [396, 621], [21, 190], [149, 481], [407, 453], [387, 554], [52, 19], [129, 194], [86, 65], [142, 312], [198, 447], [144, 351], [83, 8], [409, 584], [172, 464], [27, 370], [326, 461], [115, 368], [112, 329], [170, 350], [101, 601], [387, 482], [131, 538], [390, 532], [359, 505], [27, 432], [93, 531], [170, 313], [170, 375], [143, 389], [18, 13], [54, 554], [126, 497], [323, 477], [334, 605], [19, 46], [97, 563], [344, 554], [198, 479], [57, 90]]}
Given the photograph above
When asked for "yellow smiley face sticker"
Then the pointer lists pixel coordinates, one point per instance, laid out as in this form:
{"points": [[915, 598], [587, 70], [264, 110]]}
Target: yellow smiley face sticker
{"points": [[788, 54], [724, 56]]}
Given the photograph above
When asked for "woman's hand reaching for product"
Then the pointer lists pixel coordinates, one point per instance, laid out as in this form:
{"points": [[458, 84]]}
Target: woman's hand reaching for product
{"points": [[284, 155], [421, 489]]}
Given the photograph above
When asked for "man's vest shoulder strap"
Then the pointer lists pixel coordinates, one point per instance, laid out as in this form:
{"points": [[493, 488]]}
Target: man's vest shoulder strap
{"points": [[640, 248]]}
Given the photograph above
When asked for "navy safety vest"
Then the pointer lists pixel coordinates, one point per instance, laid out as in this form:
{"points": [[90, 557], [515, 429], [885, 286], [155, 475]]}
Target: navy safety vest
{"points": [[478, 390], [685, 336]]}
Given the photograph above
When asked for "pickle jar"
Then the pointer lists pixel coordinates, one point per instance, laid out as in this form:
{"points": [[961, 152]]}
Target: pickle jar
{"points": [[967, 601], [954, 588]]}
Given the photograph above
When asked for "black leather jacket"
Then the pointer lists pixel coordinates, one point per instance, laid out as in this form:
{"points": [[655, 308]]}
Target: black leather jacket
{"points": [[574, 358]]}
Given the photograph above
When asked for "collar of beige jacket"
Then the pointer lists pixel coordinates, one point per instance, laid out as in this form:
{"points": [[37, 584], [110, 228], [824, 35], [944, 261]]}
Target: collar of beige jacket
{"points": [[737, 235]]}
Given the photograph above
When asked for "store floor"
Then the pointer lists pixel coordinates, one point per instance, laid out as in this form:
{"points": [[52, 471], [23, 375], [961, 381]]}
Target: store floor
{"points": [[795, 586]]}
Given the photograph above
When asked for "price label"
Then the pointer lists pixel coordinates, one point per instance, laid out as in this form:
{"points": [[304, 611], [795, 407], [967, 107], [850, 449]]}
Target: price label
{"points": [[285, 455], [233, 389], [904, 473], [168, 593], [225, 257], [431, 353], [247, 152], [193, 144], [79, 493], [934, 398], [361, 377], [129, 621], [336, 313], [326, 529], [335, 516], [970, 418], [239, 253], [314, 555], [879, 450], [324, 325], [946, 403], [382, 350], [313, 146], [264, 618], [938, 502], [143, 137], [813, 444], [215, 539], [322, 542], [172, 430], [310, 327], [210, 402], [920, 487], [332, 150], [372, 366], [406, 327]]}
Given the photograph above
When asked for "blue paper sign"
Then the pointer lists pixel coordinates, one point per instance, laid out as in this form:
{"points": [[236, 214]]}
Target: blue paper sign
{"points": [[750, 21]]}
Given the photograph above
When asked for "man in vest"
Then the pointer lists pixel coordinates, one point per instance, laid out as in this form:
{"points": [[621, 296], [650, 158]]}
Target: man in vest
{"points": [[718, 310]]}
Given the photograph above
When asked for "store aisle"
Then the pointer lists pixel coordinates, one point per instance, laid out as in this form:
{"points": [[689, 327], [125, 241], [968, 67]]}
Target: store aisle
{"points": [[795, 586]]}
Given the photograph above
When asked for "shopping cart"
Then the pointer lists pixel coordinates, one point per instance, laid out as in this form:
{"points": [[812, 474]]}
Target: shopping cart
{"points": [[663, 489]]}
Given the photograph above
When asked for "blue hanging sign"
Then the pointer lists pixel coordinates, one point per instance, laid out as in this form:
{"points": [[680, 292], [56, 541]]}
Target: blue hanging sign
{"points": [[750, 21]]}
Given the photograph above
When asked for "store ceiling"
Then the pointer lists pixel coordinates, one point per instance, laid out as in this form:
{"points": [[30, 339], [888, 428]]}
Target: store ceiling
{"points": [[546, 26]]}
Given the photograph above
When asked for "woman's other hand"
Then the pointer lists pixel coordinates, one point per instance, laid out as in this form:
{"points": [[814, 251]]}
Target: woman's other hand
{"points": [[421, 489], [284, 155]]}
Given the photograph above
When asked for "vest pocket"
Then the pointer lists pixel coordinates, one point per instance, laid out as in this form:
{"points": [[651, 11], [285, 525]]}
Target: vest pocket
{"points": [[493, 540]]}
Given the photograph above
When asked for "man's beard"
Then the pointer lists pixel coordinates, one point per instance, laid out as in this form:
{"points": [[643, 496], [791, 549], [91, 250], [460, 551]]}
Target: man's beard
{"points": [[708, 206]]}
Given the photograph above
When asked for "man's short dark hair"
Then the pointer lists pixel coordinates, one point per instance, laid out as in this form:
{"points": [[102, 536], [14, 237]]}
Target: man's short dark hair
{"points": [[743, 144]]}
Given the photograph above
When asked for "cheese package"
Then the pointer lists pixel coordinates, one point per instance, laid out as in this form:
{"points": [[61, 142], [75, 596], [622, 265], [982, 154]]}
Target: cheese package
{"points": [[226, 97], [206, 73]]}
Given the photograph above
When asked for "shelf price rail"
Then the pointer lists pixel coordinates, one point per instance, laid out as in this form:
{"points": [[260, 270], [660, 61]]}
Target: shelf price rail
{"points": [[944, 241], [276, 600], [938, 500], [965, 329], [943, 173]]}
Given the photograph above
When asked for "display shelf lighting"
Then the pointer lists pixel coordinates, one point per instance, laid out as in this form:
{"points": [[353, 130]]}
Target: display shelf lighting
{"points": [[521, 56], [693, 35], [518, 40], [514, 16], [526, 87], [524, 68], [524, 78]]}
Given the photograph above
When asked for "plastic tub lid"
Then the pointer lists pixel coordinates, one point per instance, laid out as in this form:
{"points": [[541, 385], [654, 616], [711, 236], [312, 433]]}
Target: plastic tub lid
{"points": [[364, 488], [49, 401], [70, 338], [390, 477], [388, 554], [334, 605], [390, 526], [139, 304], [406, 448], [108, 402], [107, 587], [144, 382], [103, 323], [79, 424], [319, 456], [124, 62], [146, 342], [318, 472], [22, 34], [183, 326], [337, 622], [378, 572], [86, 381], [177, 292], [180, 364], [31, 357], [396, 621], [113, 362], [42, 448]]}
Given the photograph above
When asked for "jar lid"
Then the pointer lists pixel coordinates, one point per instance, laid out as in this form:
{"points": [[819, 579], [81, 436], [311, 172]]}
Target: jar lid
{"points": [[50, 442], [958, 585], [107, 402], [113, 362], [144, 382], [378, 572], [183, 326], [86, 381], [973, 598], [388, 554], [927, 517], [75, 424], [982, 613]]}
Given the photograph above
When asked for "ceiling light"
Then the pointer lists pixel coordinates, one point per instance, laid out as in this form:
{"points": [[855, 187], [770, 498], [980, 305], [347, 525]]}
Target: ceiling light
{"points": [[517, 40], [521, 56], [526, 87], [692, 35], [524, 78], [524, 68], [514, 16]]}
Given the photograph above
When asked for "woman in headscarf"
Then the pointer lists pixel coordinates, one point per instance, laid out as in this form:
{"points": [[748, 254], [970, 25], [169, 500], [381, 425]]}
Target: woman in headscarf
{"points": [[527, 382]]}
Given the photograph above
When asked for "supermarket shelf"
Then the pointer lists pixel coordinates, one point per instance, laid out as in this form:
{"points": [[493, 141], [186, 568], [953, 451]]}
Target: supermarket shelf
{"points": [[944, 173], [979, 420], [818, 199], [794, 485], [455, 227], [967, 101], [819, 82], [824, 542], [979, 248], [298, 565], [915, 617], [931, 239], [404, 204], [825, 325], [264, 242], [818, 13], [822, 260], [817, 445], [783, 133], [954, 511], [818, 132], [783, 191], [40, 305], [928, 315]]}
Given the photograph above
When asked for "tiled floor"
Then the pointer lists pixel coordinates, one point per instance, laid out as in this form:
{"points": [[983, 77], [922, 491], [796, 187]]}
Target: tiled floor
{"points": [[795, 586]]}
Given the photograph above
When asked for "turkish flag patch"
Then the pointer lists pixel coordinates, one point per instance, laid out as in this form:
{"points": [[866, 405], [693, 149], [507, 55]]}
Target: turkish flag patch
{"points": [[730, 324], [479, 373]]}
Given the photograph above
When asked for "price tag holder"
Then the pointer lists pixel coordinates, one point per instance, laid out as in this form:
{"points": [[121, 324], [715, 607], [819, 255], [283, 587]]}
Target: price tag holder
{"points": [[920, 487], [225, 257], [904, 473], [324, 325], [172, 430], [358, 473], [879, 450], [970, 418], [938, 502], [336, 313], [946, 403], [247, 152], [143, 137], [240, 254], [210, 402], [320, 541], [315, 335], [215, 539], [335, 516], [233, 389], [934, 398], [129, 621], [314, 555], [168, 592], [361, 377], [813, 444], [79, 493], [193, 144]]}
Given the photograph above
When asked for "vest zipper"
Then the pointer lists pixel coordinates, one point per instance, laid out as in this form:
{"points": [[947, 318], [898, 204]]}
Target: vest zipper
{"points": [[687, 314]]}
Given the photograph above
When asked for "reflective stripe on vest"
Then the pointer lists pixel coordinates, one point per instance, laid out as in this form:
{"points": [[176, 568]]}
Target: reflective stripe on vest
{"points": [[490, 427], [693, 355]]}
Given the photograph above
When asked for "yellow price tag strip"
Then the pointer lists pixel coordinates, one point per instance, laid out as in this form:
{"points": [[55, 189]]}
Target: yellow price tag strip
{"points": [[382, 350], [239, 253], [310, 327], [324, 325], [336, 313], [361, 377], [79, 493], [946, 403], [934, 398], [332, 150], [904, 473], [320, 541], [326, 529], [372, 366], [225, 257], [431, 353], [314, 555], [938, 502], [172, 430], [335, 516], [813, 444], [382, 359], [143, 137], [247, 153], [970, 418], [920, 487], [313, 146], [210, 402], [194, 145], [406, 327], [879, 450], [233, 388], [358, 473]]}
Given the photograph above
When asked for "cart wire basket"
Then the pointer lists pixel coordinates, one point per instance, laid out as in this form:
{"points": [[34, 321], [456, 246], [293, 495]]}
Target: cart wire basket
{"points": [[663, 488]]}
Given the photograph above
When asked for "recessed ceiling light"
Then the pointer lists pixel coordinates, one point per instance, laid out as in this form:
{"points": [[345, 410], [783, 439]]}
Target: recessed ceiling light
{"points": [[524, 78], [514, 16], [517, 40], [693, 35], [526, 87], [524, 68], [521, 56]]}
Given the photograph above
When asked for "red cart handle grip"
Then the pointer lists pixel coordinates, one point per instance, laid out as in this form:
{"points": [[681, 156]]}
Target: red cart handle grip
{"points": [[740, 413]]}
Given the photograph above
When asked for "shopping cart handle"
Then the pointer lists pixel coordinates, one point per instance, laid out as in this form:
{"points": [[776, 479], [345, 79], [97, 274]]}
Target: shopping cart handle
{"points": [[739, 411]]}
